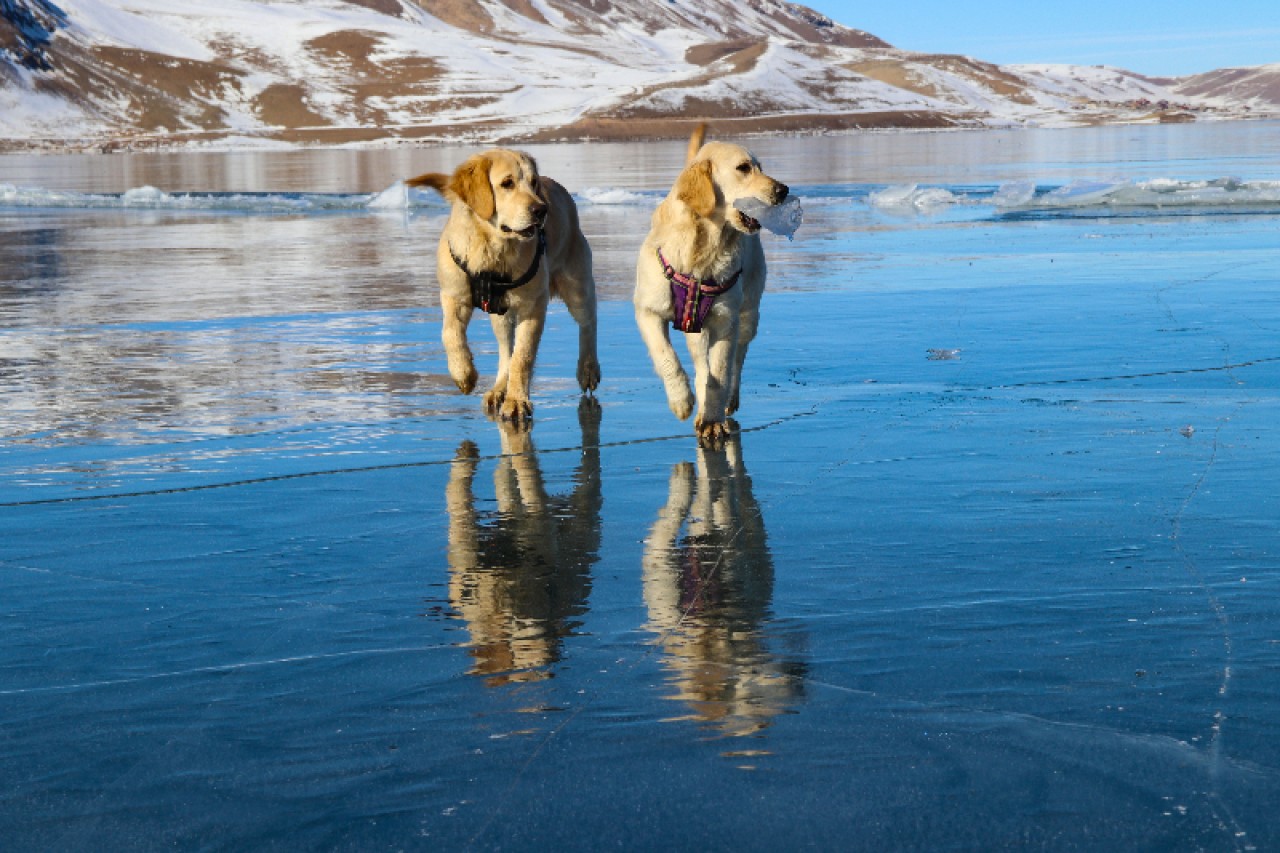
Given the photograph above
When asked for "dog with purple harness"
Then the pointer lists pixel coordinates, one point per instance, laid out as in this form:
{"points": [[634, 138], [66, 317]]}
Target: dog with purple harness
{"points": [[702, 271]]}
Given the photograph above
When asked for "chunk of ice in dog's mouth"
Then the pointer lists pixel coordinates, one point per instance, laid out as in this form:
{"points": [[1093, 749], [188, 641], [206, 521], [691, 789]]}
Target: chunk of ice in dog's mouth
{"points": [[782, 219]]}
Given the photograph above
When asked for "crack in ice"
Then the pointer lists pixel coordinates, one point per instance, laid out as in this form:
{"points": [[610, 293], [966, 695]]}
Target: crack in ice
{"points": [[1214, 749], [221, 668]]}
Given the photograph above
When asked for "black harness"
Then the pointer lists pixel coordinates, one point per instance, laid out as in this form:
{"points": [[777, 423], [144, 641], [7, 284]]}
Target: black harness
{"points": [[489, 289]]}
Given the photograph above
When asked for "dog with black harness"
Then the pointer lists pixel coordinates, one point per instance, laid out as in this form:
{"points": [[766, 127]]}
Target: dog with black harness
{"points": [[512, 241]]}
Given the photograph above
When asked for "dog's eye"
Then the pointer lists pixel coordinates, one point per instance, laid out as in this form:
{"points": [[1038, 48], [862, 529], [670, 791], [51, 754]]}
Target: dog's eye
{"points": [[744, 167], [507, 184]]}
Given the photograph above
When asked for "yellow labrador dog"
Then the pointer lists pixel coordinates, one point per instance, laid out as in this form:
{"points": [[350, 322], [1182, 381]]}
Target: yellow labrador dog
{"points": [[511, 242], [702, 270]]}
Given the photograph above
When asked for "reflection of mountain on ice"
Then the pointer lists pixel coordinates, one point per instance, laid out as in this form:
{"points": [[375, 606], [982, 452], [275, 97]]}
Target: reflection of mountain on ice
{"points": [[336, 71]]}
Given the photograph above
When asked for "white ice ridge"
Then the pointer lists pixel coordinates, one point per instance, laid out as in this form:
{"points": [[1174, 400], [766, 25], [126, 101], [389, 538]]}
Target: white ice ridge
{"points": [[913, 197], [783, 219], [1160, 193], [617, 196], [396, 197]]}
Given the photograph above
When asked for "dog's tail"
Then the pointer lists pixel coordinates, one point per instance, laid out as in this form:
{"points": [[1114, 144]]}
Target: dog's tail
{"points": [[435, 181], [695, 142]]}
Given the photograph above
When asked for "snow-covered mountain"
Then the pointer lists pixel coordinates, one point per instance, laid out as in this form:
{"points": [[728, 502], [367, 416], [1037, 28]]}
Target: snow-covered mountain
{"points": [[1258, 86], [165, 72]]}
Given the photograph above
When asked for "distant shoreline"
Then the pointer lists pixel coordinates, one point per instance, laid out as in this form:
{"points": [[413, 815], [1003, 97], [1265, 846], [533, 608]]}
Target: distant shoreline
{"points": [[638, 129]]}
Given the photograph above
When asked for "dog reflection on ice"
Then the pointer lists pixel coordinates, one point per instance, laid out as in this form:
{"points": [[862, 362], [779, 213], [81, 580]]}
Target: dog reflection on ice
{"points": [[708, 593], [520, 577]]}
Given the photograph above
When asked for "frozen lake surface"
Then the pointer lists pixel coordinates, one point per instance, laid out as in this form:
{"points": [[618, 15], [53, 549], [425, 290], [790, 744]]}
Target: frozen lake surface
{"points": [[993, 563]]}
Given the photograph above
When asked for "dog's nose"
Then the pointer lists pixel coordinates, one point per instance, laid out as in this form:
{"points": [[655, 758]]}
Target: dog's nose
{"points": [[780, 191], [538, 212]]}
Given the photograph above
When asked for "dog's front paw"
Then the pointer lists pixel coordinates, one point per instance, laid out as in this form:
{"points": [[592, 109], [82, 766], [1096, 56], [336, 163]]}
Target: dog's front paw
{"points": [[464, 375], [712, 434], [588, 373], [493, 400], [516, 409], [681, 402]]}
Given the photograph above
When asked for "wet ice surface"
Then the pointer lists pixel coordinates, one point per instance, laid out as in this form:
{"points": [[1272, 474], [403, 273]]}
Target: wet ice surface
{"points": [[990, 565]]}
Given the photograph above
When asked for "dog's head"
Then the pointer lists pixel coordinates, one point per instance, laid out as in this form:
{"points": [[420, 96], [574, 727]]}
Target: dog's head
{"points": [[721, 173], [500, 187]]}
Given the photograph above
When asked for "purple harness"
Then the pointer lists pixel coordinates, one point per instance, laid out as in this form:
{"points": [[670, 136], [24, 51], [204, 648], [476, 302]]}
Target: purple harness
{"points": [[691, 297]]}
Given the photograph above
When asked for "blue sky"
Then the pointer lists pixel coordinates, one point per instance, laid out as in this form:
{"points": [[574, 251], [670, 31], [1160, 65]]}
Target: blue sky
{"points": [[1170, 38]]}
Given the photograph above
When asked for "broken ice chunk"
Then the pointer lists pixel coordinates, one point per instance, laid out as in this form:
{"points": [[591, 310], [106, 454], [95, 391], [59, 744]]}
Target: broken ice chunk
{"points": [[1014, 194], [394, 197], [896, 196], [910, 197], [782, 219]]}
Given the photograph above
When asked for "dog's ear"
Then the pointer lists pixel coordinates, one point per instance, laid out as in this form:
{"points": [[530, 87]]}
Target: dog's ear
{"points": [[695, 188], [435, 181], [470, 185]]}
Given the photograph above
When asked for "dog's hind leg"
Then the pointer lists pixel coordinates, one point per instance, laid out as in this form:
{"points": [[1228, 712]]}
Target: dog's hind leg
{"points": [[746, 333], [653, 329], [580, 299], [753, 278]]}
